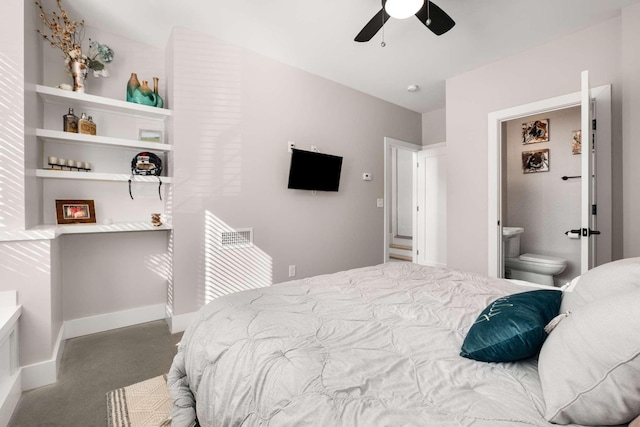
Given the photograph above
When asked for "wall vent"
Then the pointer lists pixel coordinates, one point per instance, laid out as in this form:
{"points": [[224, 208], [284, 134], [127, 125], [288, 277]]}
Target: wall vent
{"points": [[239, 238]]}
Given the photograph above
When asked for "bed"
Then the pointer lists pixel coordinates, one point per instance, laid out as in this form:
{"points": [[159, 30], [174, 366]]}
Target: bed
{"points": [[374, 346]]}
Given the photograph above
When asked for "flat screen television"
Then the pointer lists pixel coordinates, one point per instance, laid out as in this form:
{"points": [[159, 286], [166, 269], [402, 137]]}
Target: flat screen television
{"points": [[314, 171]]}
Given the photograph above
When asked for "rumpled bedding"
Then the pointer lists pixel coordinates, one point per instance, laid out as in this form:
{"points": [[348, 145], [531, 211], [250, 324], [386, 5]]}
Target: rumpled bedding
{"points": [[374, 346]]}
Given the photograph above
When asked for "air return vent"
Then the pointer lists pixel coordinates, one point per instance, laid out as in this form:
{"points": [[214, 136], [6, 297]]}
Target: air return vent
{"points": [[239, 238]]}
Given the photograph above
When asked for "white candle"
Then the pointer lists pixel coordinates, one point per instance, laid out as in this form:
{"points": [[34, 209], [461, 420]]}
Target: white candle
{"points": [[71, 163], [62, 162], [87, 165], [53, 160]]}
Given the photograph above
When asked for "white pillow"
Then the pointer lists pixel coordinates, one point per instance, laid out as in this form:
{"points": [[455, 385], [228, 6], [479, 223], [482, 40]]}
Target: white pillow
{"points": [[603, 281], [590, 364]]}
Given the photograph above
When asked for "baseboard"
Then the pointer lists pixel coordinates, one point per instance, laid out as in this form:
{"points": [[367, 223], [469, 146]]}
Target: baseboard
{"points": [[108, 321], [44, 373], [180, 322]]}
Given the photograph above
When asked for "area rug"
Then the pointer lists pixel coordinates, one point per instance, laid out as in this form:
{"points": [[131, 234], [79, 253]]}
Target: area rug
{"points": [[144, 404]]}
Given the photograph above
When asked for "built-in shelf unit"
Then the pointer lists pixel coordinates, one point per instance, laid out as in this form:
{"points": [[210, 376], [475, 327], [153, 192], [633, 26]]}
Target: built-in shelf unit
{"points": [[109, 153]]}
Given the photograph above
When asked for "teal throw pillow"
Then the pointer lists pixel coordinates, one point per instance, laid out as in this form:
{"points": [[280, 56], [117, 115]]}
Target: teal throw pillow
{"points": [[512, 327]]}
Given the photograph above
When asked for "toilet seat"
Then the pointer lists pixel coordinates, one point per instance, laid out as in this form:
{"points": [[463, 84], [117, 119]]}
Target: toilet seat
{"points": [[542, 259]]}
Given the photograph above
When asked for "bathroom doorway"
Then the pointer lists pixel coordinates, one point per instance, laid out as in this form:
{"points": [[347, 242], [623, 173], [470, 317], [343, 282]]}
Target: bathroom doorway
{"points": [[500, 161], [534, 195]]}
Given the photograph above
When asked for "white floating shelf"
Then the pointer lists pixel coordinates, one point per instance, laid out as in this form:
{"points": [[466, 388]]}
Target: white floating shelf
{"points": [[95, 176], [118, 227], [83, 100], [79, 138], [49, 232]]}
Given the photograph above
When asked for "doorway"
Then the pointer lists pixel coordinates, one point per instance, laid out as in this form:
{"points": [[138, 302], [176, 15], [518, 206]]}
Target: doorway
{"points": [[601, 98], [399, 199]]}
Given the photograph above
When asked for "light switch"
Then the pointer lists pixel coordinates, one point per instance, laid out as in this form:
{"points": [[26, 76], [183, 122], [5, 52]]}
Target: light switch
{"points": [[380, 203]]}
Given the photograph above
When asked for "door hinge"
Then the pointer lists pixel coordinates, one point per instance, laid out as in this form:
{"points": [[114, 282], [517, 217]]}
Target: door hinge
{"points": [[594, 209], [593, 124], [417, 251], [417, 208]]}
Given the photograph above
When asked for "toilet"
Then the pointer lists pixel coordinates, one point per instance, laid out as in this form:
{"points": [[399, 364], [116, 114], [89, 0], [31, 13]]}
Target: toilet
{"points": [[530, 267]]}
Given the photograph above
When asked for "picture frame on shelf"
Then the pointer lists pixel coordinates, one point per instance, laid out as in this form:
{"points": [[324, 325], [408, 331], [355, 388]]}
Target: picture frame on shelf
{"points": [[149, 135], [75, 212]]}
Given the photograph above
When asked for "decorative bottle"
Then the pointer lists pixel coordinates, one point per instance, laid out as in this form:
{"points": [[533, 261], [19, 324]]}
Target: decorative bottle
{"points": [[132, 85], [93, 125], [84, 126], [70, 122], [159, 100]]}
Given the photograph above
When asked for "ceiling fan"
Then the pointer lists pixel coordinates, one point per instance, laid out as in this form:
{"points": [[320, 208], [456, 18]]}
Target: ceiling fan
{"points": [[427, 12]]}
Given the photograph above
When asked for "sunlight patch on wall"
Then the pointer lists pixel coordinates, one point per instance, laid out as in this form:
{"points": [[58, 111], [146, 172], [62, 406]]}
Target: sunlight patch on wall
{"points": [[229, 270], [211, 115], [12, 185], [21, 258]]}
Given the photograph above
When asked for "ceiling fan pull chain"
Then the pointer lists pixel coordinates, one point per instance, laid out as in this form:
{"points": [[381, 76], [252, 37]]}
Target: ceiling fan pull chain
{"points": [[428, 15], [383, 44]]}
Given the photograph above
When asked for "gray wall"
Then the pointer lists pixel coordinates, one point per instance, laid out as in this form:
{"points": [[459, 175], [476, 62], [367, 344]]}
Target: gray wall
{"points": [[630, 114], [542, 203], [508, 83], [434, 126], [234, 113]]}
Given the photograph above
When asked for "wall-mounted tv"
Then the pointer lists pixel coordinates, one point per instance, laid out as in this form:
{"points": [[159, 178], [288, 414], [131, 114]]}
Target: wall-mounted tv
{"points": [[314, 171]]}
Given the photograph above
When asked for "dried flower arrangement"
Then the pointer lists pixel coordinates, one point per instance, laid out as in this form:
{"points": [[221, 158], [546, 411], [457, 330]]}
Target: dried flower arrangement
{"points": [[67, 34]]}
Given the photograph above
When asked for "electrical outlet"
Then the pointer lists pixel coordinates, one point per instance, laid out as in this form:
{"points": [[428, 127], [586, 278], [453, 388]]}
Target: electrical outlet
{"points": [[292, 271]]}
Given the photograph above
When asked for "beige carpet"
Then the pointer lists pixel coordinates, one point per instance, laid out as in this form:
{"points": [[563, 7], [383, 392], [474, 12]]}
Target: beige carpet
{"points": [[144, 404]]}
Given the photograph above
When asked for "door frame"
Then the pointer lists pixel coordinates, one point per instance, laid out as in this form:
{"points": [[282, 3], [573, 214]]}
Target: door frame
{"points": [[388, 144], [496, 119]]}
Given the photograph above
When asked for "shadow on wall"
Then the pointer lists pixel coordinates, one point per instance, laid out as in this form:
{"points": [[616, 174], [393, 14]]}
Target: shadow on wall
{"points": [[232, 263], [11, 145]]}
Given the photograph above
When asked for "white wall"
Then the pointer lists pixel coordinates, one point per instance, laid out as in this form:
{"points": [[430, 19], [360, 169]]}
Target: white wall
{"points": [[434, 126], [507, 83], [542, 203], [234, 113], [12, 174]]}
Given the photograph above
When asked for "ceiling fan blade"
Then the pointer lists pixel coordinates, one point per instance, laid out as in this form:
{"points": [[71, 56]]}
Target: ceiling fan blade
{"points": [[372, 26], [440, 21]]}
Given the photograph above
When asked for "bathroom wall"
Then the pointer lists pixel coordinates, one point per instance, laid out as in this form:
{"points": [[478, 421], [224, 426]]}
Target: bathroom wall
{"points": [[541, 202]]}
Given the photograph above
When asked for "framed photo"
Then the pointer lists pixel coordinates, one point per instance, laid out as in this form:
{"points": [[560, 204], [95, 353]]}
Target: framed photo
{"points": [[535, 161], [75, 211], [576, 142], [536, 131], [150, 135]]}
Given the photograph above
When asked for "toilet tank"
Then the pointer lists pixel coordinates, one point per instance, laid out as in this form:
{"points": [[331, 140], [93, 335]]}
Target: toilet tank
{"points": [[511, 240]]}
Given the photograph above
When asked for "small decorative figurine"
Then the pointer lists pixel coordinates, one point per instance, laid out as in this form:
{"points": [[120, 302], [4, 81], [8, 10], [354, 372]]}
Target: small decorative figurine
{"points": [[155, 220]]}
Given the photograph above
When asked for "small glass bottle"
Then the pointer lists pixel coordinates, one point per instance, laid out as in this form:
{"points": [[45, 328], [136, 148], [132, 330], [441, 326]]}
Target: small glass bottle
{"points": [[70, 122], [83, 125], [93, 125]]}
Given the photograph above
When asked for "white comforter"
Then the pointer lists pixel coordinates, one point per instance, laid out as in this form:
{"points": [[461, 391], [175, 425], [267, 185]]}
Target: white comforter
{"points": [[375, 346]]}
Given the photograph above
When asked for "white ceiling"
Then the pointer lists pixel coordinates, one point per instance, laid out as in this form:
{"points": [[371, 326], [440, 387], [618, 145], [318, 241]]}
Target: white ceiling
{"points": [[317, 36]]}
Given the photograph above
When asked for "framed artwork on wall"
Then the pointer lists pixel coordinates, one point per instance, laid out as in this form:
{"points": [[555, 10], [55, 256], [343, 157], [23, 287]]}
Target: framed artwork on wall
{"points": [[536, 131], [535, 161], [576, 142], [75, 212]]}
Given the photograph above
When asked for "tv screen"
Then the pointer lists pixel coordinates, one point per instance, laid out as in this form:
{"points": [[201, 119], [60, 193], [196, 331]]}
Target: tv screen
{"points": [[314, 171]]}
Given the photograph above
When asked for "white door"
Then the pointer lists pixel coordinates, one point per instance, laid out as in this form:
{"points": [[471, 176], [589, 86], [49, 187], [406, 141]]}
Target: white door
{"points": [[587, 226], [430, 236]]}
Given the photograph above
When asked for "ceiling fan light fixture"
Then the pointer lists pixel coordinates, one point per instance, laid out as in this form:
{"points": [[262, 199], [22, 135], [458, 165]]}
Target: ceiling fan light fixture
{"points": [[402, 9]]}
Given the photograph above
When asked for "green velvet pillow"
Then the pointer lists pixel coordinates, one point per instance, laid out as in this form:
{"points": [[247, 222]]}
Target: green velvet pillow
{"points": [[512, 327]]}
